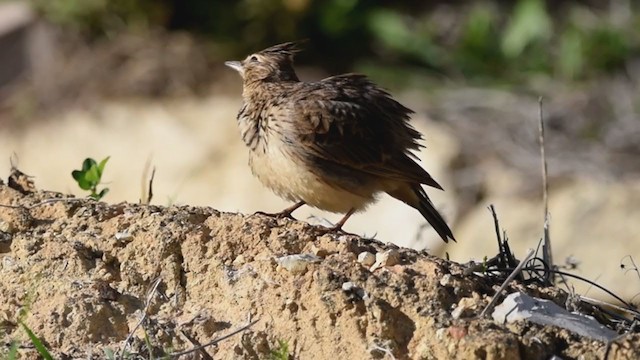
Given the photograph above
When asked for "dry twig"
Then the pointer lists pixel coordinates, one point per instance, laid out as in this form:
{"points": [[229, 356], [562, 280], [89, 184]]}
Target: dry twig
{"points": [[44, 202], [504, 285], [214, 341], [150, 295], [546, 243], [146, 188]]}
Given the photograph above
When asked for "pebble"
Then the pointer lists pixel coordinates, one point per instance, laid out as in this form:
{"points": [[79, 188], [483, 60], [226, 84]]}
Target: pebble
{"points": [[297, 263], [6, 227], [366, 258], [446, 280], [387, 258], [319, 251], [351, 288], [123, 236]]}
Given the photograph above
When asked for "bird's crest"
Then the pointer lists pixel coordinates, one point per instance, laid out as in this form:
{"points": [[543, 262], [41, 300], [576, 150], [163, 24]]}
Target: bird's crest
{"points": [[288, 49]]}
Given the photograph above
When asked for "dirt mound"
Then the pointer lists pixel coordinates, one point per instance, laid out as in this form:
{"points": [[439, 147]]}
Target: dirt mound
{"points": [[87, 273]]}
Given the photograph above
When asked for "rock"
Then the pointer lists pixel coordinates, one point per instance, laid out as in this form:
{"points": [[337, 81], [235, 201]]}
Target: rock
{"points": [[386, 258], [366, 258], [518, 306], [297, 263], [354, 290], [6, 227]]}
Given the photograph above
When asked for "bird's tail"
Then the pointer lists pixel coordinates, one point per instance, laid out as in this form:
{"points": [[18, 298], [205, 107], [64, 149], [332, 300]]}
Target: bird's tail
{"points": [[415, 196]]}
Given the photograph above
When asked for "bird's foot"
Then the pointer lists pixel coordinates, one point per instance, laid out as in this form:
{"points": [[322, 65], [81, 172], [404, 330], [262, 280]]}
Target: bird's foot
{"points": [[338, 230], [278, 215], [338, 226], [331, 229], [286, 213]]}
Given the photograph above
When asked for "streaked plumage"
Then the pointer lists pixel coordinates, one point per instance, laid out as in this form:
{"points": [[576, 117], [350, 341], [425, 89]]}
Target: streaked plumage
{"points": [[332, 144]]}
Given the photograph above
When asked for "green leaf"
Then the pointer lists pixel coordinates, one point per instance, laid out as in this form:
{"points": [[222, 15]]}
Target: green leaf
{"points": [[281, 352], [42, 350], [77, 175], [571, 61], [84, 184], [102, 165], [530, 22], [92, 175], [390, 27], [87, 164], [110, 354], [13, 351], [80, 177]]}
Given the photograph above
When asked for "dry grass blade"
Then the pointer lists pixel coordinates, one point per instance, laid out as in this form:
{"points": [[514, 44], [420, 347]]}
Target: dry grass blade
{"points": [[547, 255], [214, 341], [504, 285], [146, 187], [44, 202], [505, 255], [150, 294], [195, 342]]}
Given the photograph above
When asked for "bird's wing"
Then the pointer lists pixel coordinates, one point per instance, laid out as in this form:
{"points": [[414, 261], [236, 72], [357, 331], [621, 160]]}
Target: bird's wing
{"points": [[348, 121]]}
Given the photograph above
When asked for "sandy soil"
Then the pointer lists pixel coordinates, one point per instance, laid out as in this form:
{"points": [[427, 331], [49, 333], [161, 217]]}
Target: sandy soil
{"points": [[84, 274]]}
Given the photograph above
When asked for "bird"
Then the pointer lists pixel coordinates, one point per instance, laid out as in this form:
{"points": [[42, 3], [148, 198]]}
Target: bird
{"points": [[333, 144]]}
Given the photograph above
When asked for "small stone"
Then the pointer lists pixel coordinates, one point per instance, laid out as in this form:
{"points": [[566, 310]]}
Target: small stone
{"points": [[446, 280], [387, 258], [239, 260], [319, 251], [366, 258], [345, 245], [6, 227], [297, 263], [347, 286], [123, 236], [464, 308], [457, 332], [8, 262], [354, 291]]}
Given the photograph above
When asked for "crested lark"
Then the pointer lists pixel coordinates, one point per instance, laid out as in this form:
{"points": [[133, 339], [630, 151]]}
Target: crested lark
{"points": [[332, 144]]}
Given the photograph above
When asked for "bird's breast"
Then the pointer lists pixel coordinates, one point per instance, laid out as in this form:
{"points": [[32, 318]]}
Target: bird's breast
{"points": [[253, 125], [279, 169]]}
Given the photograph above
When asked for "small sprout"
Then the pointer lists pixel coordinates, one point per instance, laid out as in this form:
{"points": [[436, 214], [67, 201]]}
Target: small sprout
{"points": [[281, 352], [90, 176]]}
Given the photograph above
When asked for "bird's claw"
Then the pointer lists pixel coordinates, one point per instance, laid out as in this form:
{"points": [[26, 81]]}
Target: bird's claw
{"points": [[278, 215], [333, 229]]}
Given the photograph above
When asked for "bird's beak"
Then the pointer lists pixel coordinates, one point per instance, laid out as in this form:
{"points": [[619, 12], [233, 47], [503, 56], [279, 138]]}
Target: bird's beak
{"points": [[235, 65]]}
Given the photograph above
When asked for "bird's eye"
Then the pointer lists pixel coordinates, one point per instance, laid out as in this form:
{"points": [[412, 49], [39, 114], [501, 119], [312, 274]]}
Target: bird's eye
{"points": [[253, 58]]}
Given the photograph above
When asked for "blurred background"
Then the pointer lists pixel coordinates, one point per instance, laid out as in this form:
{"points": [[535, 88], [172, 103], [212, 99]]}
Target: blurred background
{"points": [[143, 82]]}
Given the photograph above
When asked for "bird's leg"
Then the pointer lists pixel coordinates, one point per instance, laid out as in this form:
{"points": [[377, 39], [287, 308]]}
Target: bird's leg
{"points": [[339, 224], [286, 213]]}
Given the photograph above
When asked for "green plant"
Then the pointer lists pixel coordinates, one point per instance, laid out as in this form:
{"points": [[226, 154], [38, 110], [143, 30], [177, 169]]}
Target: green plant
{"points": [[281, 352], [110, 354], [12, 353], [37, 343], [529, 23], [89, 177], [101, 17]]}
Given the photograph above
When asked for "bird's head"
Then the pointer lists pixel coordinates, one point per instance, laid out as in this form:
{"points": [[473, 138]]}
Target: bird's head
{"points": [[274, 64]]}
